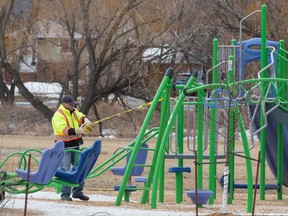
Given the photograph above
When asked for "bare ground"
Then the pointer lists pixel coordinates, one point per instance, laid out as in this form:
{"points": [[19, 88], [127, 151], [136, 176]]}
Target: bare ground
{"points": [[104, 184]]}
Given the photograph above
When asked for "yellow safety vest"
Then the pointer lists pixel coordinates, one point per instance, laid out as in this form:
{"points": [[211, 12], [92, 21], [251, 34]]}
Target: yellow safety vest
{"points": [[63, 120]]}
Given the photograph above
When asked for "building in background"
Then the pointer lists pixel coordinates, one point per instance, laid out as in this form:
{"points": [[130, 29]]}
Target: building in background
{"points": [[46, 53]]}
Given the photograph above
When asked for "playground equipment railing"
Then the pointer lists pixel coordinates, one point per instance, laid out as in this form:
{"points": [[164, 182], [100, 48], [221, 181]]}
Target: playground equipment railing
{"points": [[11, 183], [122, 154]]}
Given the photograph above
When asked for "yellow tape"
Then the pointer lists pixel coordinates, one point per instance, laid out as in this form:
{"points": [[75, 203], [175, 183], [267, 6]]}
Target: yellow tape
{"points": [[126, 111]]}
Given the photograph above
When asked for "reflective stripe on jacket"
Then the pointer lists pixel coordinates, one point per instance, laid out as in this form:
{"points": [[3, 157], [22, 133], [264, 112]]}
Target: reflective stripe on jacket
{"points": [[63, 119]]}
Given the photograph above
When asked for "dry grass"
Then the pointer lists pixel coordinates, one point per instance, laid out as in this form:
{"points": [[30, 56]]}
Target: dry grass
{"points": [[28, 121], [104, 184]]}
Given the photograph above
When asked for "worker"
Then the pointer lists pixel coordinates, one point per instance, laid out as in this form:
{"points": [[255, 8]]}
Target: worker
{"points": [[68, 125]]}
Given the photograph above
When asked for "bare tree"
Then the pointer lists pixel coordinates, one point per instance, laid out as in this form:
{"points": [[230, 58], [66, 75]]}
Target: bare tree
{"points": [[6, 95], [109, 57], [5, 24], [228, 13]]}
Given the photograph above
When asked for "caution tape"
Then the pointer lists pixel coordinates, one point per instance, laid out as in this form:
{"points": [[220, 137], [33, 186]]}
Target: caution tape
{"points": [[121, 113]]}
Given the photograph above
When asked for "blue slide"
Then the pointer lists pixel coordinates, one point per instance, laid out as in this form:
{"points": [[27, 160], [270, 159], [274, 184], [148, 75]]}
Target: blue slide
{"points": [[276, 116]]}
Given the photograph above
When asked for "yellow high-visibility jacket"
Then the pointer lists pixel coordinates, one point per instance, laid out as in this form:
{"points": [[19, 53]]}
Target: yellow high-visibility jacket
{"points": [[63, 119]]}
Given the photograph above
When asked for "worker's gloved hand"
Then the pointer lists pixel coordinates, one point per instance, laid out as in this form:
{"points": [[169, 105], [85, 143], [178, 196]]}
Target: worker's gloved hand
{"points": [[87, 128], [79, 131], [87, 125], [87, 121], [84, 129]]}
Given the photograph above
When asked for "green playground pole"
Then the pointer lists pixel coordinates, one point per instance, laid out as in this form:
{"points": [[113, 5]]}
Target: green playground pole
{"points": [[165, 112], [213, 117], [231, 129], [264, 62], [280, 161], [160, 154], [200, 129], [166, 80], [179, 136], [284, 74], [280, 139], [164, 115], [249, 175]]}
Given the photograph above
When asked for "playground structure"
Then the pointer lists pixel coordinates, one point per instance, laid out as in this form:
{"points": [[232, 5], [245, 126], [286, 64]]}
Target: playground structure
{"points": [[189, 129], [266, 93], [48, 172]]}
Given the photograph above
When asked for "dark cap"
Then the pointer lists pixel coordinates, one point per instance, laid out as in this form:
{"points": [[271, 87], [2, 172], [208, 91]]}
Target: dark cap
{"points": [[69, 100]]}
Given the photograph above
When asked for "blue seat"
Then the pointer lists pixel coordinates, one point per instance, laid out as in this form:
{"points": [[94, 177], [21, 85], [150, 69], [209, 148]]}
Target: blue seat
{"points": [[179, 169], [129, 188], [140, 159], [142, 179], [203, 196], [50, 161], [87, 160]]}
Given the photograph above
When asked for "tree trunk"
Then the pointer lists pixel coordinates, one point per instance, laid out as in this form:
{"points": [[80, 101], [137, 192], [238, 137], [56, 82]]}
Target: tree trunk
{"points": [[225, 190], [35, 102]]}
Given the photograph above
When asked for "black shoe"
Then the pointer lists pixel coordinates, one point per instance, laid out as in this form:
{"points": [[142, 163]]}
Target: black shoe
{"points": [[66, 198], [80, 196]]}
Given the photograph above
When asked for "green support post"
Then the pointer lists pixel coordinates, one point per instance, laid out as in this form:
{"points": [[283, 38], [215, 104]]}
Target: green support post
{"points": [[161, 181], [280, 161], [249, 175], [200, 127], [126, 196], [160, 155], [165, 112], [280, 139], [284, 73], [213, 132], [179, 136], [231, 135], [264, 62], [166, 80]]}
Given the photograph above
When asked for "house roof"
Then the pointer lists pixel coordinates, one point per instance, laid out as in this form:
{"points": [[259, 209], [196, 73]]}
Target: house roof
{"points": [[160, 54]]}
